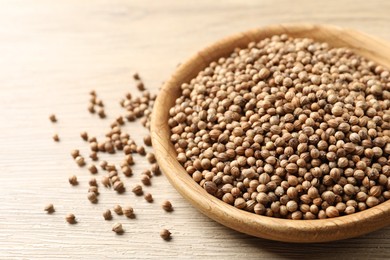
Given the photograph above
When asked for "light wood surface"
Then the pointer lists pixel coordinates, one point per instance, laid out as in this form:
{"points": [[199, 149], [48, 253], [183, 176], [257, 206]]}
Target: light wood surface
{"points": [[302, 231], [54, 52]]}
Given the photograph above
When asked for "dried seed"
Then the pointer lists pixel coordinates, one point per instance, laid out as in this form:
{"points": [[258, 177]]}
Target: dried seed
{"points": [[145, 179], [141, 86], [117, 228], [136, 76], [165, 234], [73, 180], [151, 157], [148, 140], [75, 153], [92, 182], [92, 197], [80, 161], [70, 218], [107, 214], [118, 186], [103, 165], [137, 190], [53, 118], [105, 181], [56, 138], [167, 206], [141, 150], [92, 169], [118, 210], [49, 208], [148, 197], [128, 212], [101, 113], [84, 136]]}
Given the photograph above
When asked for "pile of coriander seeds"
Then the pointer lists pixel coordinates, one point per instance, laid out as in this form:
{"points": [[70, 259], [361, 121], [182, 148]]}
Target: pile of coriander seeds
{"points": [[288, 128], [117, 141]]}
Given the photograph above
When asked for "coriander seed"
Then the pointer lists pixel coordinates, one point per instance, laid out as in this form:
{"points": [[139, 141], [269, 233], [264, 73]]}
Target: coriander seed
{"points": [[56, 138], [53, 118], [167, 206], [165, 234], [137, 190], [92, 197], [80, 161], [117, 228], [70, 218], [148, 140], [49, 208], [107, 214], [148, 197], [73, 180], [84, 136], [128, 212], [75, 153], [118, 210], [92, 169]]}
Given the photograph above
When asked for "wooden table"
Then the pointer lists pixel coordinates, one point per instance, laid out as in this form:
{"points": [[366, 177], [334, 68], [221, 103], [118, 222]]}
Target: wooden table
{"points": [[53, 53]]}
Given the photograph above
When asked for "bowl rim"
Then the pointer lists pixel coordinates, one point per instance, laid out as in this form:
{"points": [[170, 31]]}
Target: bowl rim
{"points": [[306, 231]]}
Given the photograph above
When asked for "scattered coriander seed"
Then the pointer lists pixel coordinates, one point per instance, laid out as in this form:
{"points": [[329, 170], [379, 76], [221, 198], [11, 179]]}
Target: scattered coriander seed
{"points": [[92, 197], [155, 169], [75, 153], [129, 159], [151, 157], [92, 182], [118, 209], [80, 161], [148, 140], [49, 208], [93, 189], [136, 76], [73, 180], [145, 179], [93, 156], [141, 150], [84, 136], [91, 108], [107, 214], [141, 86], [92, 169], [101, 113], [127, 171], [110, 167], [137, 190], [128, 212], [56, 138], [119, 120], [53, 118], [167, 206], [117, 228], [103, 164], [105, 181], [148, 197], [165, 234], [70, 218], [118, 186]]}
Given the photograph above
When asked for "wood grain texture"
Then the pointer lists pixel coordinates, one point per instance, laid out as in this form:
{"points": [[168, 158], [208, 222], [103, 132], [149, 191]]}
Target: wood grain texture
{"points": [[303, 231], [54, 52]]}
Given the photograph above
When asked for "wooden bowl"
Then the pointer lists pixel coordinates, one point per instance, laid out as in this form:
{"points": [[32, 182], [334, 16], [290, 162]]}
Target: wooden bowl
{"points": [[302, 231]]}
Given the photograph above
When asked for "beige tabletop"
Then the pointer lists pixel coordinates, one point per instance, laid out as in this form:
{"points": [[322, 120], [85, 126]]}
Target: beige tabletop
{"points": [[52, 53]]}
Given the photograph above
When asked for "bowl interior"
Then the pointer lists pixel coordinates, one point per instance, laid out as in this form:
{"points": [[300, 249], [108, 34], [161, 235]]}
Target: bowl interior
{"points": [[250, 223]]}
